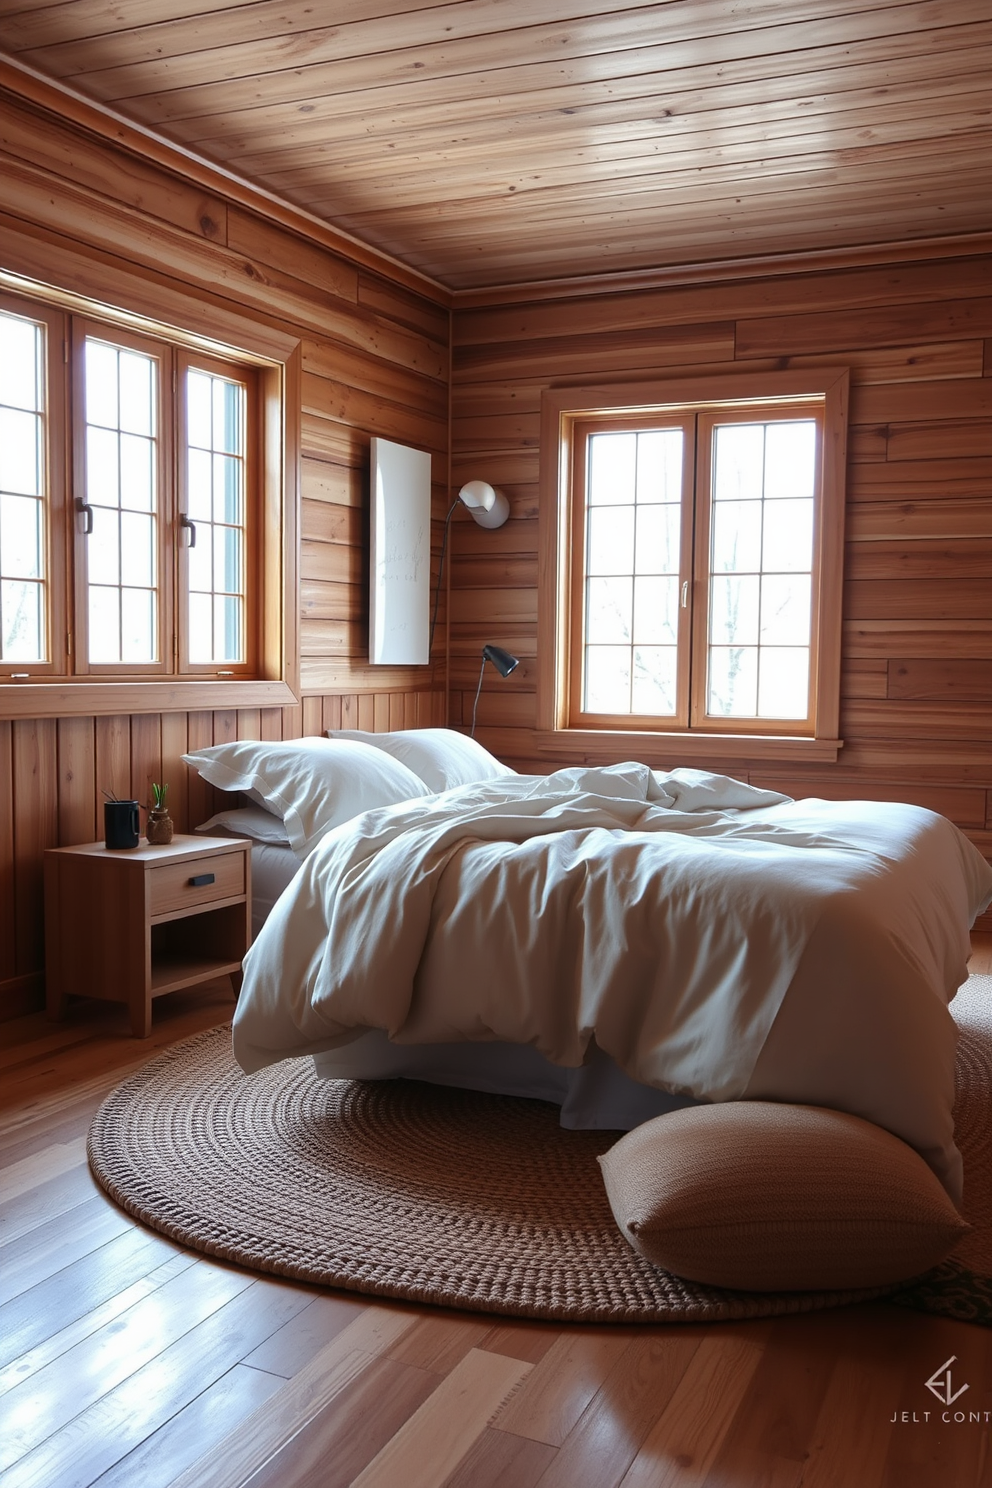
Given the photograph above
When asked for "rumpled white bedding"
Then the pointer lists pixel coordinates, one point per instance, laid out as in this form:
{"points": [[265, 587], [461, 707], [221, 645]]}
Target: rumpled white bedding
{"points": [[714, 940]]}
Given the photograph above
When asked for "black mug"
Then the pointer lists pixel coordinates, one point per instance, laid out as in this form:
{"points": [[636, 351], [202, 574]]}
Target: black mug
{"points": [[120, 823]]}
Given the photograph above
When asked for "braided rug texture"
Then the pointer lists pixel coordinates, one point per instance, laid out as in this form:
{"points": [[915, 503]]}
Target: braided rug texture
{"points": [[407, 1190]]}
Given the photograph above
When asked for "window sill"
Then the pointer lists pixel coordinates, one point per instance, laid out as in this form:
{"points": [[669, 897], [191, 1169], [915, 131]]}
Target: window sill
{"points": [[57, 699], [608, 746]]}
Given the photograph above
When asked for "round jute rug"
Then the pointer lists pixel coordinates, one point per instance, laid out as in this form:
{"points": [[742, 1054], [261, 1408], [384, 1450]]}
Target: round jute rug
{"points": [[415, 1191]]}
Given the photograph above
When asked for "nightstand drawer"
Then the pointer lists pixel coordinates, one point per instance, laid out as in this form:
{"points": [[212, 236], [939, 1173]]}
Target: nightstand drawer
{"points": [[178, 886]]}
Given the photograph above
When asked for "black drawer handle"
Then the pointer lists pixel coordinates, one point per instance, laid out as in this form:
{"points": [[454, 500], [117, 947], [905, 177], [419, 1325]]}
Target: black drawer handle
{"points": [[201, 879]]}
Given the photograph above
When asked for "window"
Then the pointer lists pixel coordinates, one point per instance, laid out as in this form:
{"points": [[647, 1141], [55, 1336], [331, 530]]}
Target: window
{"points": [[138, 474], [696, 545]]}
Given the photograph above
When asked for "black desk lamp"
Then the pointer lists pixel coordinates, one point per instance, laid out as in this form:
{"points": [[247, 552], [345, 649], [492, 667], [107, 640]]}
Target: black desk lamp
{"points": [[504, 664]]}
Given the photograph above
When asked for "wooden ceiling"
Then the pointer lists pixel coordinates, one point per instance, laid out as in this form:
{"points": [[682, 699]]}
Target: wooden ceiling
{"points": [[489, 142]]}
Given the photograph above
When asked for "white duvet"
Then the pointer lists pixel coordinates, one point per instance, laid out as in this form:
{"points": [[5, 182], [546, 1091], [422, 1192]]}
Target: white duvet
{"points": [[714, 940]]}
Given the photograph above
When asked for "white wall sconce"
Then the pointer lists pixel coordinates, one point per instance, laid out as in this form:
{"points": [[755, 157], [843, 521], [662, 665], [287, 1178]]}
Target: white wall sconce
{"points": [[489, 507]]}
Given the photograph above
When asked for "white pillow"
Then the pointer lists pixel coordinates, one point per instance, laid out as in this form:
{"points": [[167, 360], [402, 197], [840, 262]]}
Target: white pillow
{"points": [[441, 757], [313, 784], [247, 821]]}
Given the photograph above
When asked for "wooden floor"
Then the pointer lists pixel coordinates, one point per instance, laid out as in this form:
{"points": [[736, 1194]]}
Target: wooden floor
{"points": [[125, 1360]]}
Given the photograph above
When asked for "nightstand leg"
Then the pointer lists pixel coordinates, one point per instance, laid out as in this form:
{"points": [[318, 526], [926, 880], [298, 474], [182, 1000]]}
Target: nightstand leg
{"points": [[141, 1016]]}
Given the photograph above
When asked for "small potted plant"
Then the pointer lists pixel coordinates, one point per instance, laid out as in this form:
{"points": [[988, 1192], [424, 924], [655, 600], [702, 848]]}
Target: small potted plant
{"points": [[159, 826]]}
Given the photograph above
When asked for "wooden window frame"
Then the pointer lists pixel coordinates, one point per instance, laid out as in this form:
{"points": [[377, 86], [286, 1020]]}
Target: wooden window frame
{"points": [[270, 677], [567, 415]]}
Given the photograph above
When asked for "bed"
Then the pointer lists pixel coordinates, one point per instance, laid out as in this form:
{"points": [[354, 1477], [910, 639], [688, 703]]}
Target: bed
{"points": [[623, 941]]}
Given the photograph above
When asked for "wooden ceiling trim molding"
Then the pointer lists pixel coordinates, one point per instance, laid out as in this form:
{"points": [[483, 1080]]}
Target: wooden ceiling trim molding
{"points": [[727, 270], [97, 119]]}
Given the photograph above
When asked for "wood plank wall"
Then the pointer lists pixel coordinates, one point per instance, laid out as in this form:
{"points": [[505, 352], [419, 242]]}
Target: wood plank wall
{"points": [[375, 361], [917, 680]]}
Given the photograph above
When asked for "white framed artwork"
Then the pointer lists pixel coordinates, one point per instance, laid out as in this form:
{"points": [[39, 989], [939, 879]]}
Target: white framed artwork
{"points": [[400, 565]]}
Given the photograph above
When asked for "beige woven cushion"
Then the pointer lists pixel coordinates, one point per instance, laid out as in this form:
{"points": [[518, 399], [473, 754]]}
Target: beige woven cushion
{"points": [[770, 1197]]}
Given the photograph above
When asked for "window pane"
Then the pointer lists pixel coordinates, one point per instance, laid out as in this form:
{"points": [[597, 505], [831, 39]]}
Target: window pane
{"points": [[198, 410], [216, 460], [654, 681], [137, 394], [611, 540], [656, 611], [612, 469], [733, 681], [21, 621], [227, 560], [790, 460], [137, 625], [201, 559], [20, 452], [608, 611], [659, 539], [101, 384], [734, 611], [227, 417], [783, 689], [607, 679], [201, 637], [737, 537], [105, 624], [788, 537], [20, 536], [103, 563], [137, 473], [738, 460], [138, 549], [659, 465], [785, 610], [200, 487], [21, 363], [227, 490], [23, 491], [102, 468], [228, 641], [121, 396]]}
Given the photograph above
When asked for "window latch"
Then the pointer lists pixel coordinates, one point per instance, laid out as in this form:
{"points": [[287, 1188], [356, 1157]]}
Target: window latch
{"points": [[86, 511], [190, 527], [685, 594]]}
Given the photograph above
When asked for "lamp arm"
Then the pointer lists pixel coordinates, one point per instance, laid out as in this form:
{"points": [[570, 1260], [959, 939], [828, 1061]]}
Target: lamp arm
{"points": [[440, 575], [475, 705]]}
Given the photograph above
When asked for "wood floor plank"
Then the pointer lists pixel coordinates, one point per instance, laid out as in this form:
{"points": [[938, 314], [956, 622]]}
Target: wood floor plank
{"points": [[521, 1339], [432, 1443], [60, 1345], [440, 1341], [332, 1449], [194, 1430], [682, 1444], [562, 1385], [501, 1460], [45, 1251], [56, 1197], [609, 1433], [51, 1162], [40, 1406], [95, 1438], [288, 1349], [41, 1311], [230, 1463]]}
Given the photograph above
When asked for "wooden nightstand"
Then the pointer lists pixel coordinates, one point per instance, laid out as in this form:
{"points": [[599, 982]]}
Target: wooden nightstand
{"points": [[130, 925]]}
